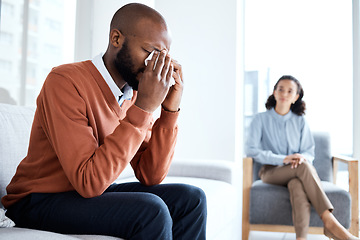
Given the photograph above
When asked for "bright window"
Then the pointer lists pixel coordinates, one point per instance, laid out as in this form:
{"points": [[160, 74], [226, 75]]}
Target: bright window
{"points": [[27, 57]]}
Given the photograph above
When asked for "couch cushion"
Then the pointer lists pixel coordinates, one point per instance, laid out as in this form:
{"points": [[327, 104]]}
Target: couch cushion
{"points": [[270, 204], [15, 126], [30, 234]]}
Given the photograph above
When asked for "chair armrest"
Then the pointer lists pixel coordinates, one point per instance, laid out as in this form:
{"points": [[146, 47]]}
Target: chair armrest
{"points": [[344, 159], [351, 162], [353, 166], [222, 170], [247, 172]]}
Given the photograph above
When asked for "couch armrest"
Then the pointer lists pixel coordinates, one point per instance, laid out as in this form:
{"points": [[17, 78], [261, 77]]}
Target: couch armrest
{"points": [[199, 168]]}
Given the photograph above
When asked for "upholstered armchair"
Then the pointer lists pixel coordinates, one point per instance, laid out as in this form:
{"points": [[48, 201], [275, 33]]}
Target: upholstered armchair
{"points": [[267, 207]]}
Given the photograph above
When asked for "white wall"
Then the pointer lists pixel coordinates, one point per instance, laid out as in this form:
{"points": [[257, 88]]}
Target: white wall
{"points": [[207, 41], [92, 25], [83, 30]]}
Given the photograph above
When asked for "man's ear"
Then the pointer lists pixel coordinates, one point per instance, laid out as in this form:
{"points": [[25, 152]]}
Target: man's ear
{"points": [[116, 38]]}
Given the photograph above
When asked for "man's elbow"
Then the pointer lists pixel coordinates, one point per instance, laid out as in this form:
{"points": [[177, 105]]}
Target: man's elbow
{"points": [[87, 192], [151, 180]]}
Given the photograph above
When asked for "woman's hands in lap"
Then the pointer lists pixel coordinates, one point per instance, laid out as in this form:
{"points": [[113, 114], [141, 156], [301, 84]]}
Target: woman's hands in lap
{"points": [[294, 159]]}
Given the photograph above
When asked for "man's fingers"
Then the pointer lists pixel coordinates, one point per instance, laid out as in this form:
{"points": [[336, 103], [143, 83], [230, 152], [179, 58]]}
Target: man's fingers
{"points": [[169, 73], [165, 69], [160, 62], [151, 63], [177, 68]]}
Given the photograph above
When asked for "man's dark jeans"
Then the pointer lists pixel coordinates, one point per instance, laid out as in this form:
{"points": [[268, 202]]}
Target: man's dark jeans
{"points": [[128, 210]]}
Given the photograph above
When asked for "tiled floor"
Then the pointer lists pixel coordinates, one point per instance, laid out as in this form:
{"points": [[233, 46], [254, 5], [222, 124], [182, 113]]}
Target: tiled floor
{"points": [[281, 236]]}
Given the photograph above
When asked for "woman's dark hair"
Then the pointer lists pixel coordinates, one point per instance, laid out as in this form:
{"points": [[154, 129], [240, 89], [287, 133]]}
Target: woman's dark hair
{"points": [[299, 106]]}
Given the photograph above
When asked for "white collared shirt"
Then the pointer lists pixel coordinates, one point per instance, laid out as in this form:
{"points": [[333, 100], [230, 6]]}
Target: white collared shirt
{"points": [[118, 94]]}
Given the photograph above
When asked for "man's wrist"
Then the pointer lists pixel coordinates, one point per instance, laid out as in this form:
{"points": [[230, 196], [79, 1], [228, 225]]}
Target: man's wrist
{"points": [[168, 119], [170, 110]]}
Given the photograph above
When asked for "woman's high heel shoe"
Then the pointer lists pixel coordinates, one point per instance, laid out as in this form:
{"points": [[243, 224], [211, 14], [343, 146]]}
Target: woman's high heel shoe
{"points": [[332, 236]]}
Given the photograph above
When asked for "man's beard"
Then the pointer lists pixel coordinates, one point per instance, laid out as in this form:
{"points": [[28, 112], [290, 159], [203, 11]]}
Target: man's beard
{"points": [[125, 66]]}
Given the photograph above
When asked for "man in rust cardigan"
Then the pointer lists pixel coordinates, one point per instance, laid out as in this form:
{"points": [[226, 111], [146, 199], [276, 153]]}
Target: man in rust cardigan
{"points": [[93, 118]]}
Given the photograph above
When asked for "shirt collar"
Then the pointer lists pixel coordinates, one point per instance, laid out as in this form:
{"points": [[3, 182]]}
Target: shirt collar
{"points": [[99, 64], [280, 117]]}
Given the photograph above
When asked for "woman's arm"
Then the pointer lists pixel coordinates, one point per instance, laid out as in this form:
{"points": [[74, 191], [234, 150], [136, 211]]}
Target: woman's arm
{"points": [[307, 144]]}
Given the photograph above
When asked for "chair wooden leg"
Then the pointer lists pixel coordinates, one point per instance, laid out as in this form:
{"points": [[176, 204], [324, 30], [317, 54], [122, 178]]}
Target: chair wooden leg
{"points": [[245, 230], [245, 218], [354, 192]]}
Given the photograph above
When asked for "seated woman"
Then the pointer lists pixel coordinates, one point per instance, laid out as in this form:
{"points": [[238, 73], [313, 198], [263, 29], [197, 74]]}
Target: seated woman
{"points": [[281, 140]]}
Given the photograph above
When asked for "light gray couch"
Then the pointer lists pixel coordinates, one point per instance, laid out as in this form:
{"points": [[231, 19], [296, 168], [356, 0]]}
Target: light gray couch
{"points": [[215, 177]]}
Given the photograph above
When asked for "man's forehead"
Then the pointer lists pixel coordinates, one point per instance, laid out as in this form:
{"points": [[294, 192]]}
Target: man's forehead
{"points": [[154, 42]]}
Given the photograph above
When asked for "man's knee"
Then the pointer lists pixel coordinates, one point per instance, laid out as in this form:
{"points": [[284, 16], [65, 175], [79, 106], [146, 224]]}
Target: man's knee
{"points": [[194, 194], [159, 211], [194, 201], [155, 222], [190, 213]]}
